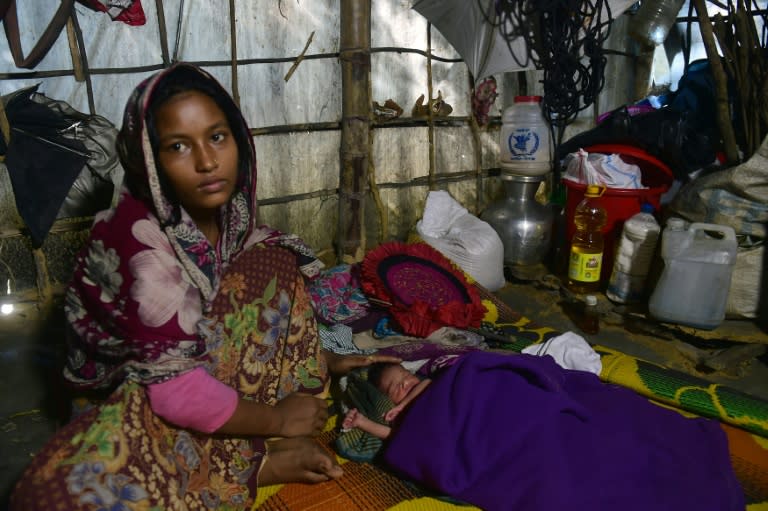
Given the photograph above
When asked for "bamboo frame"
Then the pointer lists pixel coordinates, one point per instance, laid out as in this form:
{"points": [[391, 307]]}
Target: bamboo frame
{"points": [[356, 166], [355, 57], [721, 85]]}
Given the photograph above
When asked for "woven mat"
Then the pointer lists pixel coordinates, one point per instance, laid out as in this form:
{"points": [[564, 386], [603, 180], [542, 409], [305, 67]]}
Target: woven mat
{"points": [[366, 487], [686, 392]]}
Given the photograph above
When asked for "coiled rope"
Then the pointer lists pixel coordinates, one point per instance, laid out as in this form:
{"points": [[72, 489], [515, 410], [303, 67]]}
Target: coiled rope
{"points": [[564, 39]]}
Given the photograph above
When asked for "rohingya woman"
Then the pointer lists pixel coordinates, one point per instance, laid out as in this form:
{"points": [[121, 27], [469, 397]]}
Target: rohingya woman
{"points": [[193, 321]]}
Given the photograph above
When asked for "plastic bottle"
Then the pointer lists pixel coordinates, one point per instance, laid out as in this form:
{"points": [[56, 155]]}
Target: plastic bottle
{"points": [[633, 257], [590, 319], [693, 287], [586, 254], [653, 20], [524, 141]]}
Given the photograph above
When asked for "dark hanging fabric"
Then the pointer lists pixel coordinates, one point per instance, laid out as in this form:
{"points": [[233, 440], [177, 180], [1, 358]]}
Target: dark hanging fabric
{"points": [[42, 162]]}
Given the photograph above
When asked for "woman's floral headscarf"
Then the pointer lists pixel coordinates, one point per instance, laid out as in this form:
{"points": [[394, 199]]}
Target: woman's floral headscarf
{"points": [[145, 182], [146, 276]]}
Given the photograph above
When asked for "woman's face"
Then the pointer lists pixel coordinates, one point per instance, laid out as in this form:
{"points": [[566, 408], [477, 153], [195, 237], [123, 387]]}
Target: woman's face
{"points": [[396, 382], [197, 151]]}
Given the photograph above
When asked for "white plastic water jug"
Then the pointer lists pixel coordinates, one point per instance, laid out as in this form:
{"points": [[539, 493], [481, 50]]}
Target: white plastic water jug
{"points": [[525, 146], [698, 264]]}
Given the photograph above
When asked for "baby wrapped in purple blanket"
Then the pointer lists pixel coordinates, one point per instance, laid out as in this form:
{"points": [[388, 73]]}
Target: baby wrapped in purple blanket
{"points": [[519, 432]]}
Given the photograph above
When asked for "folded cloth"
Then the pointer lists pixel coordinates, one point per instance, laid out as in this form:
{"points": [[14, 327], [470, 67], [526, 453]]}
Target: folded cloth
{"points": [[570, 351], [447, 336], [339, 339], [336, 295]]}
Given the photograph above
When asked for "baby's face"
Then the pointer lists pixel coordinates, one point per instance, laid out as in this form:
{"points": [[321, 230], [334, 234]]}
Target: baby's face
{"points": [[396, 382]]}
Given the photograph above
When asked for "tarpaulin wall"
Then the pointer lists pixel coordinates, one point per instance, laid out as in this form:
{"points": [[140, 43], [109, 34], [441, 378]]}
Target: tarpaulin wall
{"points": [[297, 123]]}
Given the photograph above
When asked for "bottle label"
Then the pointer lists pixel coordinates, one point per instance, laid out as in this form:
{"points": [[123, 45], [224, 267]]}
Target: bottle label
{"points": [[523, 144], [585, 267], [625, 288]]}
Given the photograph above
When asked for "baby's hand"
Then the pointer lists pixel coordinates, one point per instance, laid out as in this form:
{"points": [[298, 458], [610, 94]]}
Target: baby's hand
{"points": [[351, 420], [393, 413]]}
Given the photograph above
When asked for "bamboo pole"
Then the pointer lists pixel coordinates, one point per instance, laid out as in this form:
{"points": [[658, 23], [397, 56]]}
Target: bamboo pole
{"points": [[233, 52], [42, 279], [721, 84], [355, 56], [477, 148], [74, 51], [430, 117]]}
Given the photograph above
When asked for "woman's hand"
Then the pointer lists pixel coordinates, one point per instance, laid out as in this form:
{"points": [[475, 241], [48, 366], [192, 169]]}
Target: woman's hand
{"points": [[339, 365], [302, 415]]}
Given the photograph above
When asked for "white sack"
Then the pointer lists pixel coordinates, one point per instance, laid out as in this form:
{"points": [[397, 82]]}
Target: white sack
{"points": [[463, 238]]}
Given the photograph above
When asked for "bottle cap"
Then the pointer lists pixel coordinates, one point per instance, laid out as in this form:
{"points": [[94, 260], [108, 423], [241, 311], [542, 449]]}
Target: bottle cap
{"points": [[594, 191], [528, 99], [676, 224], [647, 207], [590, 300]]}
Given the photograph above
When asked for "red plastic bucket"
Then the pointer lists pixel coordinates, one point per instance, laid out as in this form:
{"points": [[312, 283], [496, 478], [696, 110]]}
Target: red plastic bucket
{"points": [[620, 203]]}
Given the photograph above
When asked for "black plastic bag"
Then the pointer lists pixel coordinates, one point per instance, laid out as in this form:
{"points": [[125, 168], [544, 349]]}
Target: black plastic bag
{"points": [[62, 163]]}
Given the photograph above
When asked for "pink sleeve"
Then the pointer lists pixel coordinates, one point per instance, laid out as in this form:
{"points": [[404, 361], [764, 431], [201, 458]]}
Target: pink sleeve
{"points": [[194, 400]]}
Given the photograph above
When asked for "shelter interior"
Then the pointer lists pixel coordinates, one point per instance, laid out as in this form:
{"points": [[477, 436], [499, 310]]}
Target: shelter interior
{"points": [[358, 109]]}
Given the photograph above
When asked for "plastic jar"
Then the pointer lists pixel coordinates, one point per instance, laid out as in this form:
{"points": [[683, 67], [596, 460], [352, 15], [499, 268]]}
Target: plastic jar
{"points": [[633, 257], [525, 145]]}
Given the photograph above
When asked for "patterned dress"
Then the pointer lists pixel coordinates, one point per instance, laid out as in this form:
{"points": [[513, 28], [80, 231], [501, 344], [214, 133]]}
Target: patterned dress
{"points": [[152, 299]]}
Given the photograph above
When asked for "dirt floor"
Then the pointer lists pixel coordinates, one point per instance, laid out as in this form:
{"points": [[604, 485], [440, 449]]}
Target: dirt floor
{"points": [[734, 354], [33, 404], [31, 340]]}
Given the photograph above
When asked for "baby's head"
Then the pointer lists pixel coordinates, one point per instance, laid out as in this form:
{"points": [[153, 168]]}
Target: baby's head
{"points": [[393, 380]]}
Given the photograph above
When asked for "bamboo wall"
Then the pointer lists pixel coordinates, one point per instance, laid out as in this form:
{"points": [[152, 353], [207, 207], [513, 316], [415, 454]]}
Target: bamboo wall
{"points": [[305, 75]]}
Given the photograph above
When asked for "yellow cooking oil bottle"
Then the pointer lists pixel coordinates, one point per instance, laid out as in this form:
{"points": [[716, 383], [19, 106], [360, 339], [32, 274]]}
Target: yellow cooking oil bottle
{"points": [[586, 256]]}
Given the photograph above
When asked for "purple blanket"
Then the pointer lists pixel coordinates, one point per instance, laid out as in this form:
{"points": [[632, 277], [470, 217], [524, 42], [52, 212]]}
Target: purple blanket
{"points": [[519, 432]]}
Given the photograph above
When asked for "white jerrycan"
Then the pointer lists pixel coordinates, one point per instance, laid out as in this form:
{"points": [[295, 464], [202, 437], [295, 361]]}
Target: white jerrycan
{"points": [[698, 264]]}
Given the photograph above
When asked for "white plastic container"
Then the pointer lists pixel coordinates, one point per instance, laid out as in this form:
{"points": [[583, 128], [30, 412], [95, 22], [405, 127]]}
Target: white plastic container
{"points": [[693, 287], [525, 146], [633, 257]]}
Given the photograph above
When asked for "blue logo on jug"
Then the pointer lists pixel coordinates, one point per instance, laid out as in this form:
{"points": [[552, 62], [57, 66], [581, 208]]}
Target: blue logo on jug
{"points": [[523, 142]]}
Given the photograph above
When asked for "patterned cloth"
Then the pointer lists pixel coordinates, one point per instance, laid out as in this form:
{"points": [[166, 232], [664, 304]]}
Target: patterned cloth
{"points": [[337, 296], [150, 299], [148, 273], [260, 338]]}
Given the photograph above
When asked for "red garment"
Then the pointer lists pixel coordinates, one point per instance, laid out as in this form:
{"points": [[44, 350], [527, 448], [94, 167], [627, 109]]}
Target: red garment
{"points": [[127, 11]]}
